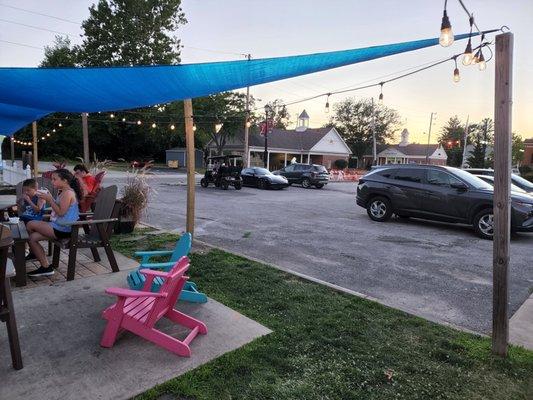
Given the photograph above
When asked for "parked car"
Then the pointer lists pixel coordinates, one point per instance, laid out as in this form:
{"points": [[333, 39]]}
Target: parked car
{"points": [[305, 174], [263, 179], [515, 179], [490, 180], [437, 193]]}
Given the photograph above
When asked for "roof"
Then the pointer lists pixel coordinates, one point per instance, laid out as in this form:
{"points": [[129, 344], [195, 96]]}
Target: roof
{"points": [[528, 141], [304, 115], [414, 149], [180, 149]]}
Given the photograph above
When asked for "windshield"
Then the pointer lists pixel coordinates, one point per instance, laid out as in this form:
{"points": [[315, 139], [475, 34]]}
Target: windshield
{"points": [[470, 179], [262, 171], [522, 181], [490, 179]]}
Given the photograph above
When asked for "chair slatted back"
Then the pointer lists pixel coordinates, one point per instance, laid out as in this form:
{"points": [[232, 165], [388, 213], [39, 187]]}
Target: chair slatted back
{"points": [[172, 287], [105, 204], [183, 247]]}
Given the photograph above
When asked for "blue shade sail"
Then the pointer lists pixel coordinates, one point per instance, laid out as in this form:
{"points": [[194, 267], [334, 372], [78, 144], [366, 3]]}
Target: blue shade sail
{"points": [[27, 94]]}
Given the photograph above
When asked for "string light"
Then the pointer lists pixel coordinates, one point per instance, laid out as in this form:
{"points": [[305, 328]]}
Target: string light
{"points": [[482, 65], [139, 122], [53, 130], [194, 128], [153, 125], [60, 124], [327, 103], [123, 119], [446, 35], [248, 124], [111, 116], [468, 56], [381, 93], [172, 127], [48, 134], [218, 126], [456, 75]]}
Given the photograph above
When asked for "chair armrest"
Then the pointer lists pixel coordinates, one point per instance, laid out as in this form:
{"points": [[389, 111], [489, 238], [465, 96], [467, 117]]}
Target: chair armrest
{"points": [[86, 214], [90, 222], [149, 272], [132, 293], [163, 265], [154, 253]]}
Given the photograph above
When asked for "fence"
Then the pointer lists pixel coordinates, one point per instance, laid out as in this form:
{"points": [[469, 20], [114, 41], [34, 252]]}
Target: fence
{"points": [[347, 175], [13, 174]]}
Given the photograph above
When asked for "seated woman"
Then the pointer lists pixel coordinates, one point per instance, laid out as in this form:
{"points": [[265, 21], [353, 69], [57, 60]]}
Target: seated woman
{"points": [[64, 209]]}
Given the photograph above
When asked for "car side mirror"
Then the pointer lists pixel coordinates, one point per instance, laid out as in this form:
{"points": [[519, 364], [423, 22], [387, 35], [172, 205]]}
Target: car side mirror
{"points": [[459, 186]]}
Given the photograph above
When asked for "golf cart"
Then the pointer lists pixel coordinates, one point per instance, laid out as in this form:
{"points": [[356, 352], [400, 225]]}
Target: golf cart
{"points": [[223, 171]]}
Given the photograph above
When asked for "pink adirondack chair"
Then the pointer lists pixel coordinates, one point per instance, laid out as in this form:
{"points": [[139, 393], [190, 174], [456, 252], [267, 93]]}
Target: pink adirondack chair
{"points": [[139, 311]]}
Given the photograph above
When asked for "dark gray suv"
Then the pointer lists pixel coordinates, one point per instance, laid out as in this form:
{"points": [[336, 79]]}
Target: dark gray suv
{"points": [[437, 193], [305, 174]]}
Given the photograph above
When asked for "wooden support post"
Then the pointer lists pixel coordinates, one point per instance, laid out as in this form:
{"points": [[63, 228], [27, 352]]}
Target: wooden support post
{"points": [[12, 140], [35, 157], [502, 192], [191, 181], [85, 130]]}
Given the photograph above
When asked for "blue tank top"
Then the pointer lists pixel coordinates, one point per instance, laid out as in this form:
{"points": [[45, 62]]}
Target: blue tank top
{"points": [[72, 215]]}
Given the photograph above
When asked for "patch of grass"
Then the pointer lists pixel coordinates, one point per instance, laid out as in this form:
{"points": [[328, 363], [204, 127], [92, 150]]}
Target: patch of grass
{"points": [[246, 235], [330, 345]]}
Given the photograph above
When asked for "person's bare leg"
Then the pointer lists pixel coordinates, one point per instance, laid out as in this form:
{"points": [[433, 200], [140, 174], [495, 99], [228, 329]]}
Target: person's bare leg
{"points": [[41, 231]]}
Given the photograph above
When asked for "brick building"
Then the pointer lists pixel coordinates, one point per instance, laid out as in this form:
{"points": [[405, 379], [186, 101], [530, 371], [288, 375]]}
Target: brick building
{"points": [[528, 152], [306, 145]]}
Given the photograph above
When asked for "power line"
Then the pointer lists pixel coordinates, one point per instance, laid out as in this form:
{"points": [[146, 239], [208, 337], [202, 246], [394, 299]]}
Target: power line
{"points": [[214, 51], [41, 14], [22, 44], [470, 15], [36, 27]]}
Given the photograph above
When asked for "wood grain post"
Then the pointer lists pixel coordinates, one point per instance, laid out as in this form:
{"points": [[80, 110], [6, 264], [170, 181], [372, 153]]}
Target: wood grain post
{"points": [[85, 130], [35, 156], [502, 192], [191, 181]]}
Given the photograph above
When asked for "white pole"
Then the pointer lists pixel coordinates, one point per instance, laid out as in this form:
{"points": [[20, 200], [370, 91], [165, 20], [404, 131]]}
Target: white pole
{"points": [[465, 140]]}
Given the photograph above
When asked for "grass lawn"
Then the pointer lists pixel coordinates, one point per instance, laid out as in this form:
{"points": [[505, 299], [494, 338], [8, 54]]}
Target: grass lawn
{"points": [[330, 345]]}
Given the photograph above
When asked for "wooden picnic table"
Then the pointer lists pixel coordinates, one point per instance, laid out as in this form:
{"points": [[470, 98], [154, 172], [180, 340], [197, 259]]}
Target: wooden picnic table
{"points": [[20, 237]]}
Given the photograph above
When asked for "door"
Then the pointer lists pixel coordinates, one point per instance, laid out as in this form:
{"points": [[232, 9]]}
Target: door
{"points": [[247, 176], [442, 201], [289, 172], [409, 190]]}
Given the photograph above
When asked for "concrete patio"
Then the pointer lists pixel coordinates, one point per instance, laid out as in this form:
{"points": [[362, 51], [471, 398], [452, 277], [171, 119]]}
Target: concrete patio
{"points": [[60, 327]]}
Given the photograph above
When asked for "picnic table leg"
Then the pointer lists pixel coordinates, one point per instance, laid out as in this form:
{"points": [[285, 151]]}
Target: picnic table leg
{"points": [[12, 332], [55, 256], [19, 248]]}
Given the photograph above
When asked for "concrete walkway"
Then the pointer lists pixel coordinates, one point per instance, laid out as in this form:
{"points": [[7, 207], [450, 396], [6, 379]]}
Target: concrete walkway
{"points": [[521, 325], [60, 327]]}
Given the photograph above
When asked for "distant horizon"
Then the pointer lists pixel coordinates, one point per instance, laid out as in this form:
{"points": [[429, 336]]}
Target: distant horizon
{"points": [[301, 28]]}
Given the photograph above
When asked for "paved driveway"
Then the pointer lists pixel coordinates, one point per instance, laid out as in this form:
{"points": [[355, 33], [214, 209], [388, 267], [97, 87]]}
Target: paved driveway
{"points": [[437, 271]]}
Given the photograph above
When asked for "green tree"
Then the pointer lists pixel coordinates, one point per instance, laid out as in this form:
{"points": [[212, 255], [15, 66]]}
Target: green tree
{"points": [[60, 54], [518, 149], [280, 115], [132, 32], [353, 120], [477, 157], [451, 137]]}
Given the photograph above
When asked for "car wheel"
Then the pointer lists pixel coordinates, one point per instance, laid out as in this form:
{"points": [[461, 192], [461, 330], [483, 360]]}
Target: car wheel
{"points": [[261, 184], [306, 183], [204, 183], [484, 224], [379, 209], [319, 185], [238, 185], [224, 184]]}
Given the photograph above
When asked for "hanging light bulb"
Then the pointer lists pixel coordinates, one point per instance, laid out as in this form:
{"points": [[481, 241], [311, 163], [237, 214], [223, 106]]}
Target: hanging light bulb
{"points": [[456, 75], [53, 130], [248, 124], [42, 137], [468, 56], [194, 128], [139, 122], [218, 126], [327, 104], [60, 125], [48, 134], [475, 59], [446, 35], [111, 115], [154, 125], [172, 127], [482, 65], [381, 94], [123, 119]]}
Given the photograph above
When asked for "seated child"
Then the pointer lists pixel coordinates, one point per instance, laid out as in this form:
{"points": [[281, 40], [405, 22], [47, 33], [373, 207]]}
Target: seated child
{"points": [[33, 206]]}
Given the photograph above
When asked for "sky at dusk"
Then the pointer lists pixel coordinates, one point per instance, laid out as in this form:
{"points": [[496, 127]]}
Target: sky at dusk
{"points": [[221, 30]]}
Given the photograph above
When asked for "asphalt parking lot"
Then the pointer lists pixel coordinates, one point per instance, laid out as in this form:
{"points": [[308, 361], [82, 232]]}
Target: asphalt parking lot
{"points": [[437, 271]]}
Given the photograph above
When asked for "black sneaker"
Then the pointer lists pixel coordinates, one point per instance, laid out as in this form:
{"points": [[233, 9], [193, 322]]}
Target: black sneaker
{"points": [[30, 256], [42, 271]]}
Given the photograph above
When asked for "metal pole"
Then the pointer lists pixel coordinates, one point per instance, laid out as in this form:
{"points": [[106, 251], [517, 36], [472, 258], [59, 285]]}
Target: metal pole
{"points": [[246, 123], [12, 150], [374, 145], [429, 136], [85, 130], [502, 192], [265, 154], [465, 140], [35, 157], [191, 182]]}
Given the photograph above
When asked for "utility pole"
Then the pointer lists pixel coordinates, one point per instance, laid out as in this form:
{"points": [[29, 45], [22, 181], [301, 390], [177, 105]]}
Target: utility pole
{"points": [[191, 182], [35, 157], [265, 154], [503, 100], [85, 131], [247, 125], [465, 140], [429, 135], [12, 150], [374, 145]]}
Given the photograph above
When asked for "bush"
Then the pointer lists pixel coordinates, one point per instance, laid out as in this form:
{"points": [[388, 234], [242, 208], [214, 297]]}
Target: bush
{"points": [[340, 163], [525, 169]]}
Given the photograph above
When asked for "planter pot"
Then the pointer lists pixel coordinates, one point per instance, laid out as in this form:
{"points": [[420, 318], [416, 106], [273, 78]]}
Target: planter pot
{"points": [[125, 226]]}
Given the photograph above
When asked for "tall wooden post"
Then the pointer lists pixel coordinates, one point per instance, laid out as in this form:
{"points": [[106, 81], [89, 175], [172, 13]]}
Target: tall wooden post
{"points": [[85, 130], [191, 181], [246, 163], [12, 140], [35, 157], [502, 191]]}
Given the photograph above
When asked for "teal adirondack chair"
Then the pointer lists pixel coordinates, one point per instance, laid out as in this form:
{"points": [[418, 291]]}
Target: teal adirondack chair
{"points": [[136, 279]]}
